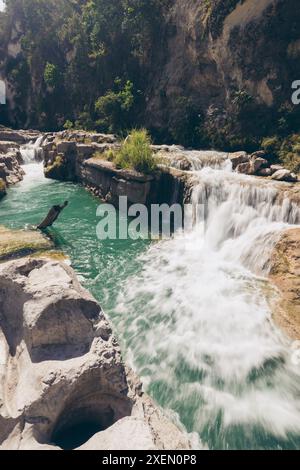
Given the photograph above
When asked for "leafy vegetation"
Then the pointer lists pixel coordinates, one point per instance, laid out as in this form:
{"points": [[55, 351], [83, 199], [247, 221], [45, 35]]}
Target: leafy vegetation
{"points": [[51, 75], [285, 150], [74, 51]]}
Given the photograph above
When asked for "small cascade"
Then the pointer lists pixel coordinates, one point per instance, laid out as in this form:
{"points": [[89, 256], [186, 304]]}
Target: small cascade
{"points": [[199, 159], [244, 216], [32, 152]]}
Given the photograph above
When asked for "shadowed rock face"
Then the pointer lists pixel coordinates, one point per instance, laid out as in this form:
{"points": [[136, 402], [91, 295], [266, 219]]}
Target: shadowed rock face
{"points": [[63, 380], [212, 53]]}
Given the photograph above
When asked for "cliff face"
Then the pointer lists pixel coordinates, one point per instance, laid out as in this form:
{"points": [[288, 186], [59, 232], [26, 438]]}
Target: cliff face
{"points": [[234, 61], [220, 74]]}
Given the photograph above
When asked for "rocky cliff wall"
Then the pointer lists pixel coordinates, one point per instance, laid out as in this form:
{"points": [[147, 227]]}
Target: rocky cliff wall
{"points": [[221, 76]]}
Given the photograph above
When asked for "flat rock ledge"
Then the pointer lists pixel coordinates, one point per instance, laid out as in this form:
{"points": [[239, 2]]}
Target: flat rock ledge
{"points": [[285, 274], [63, 382], [18, 243]]}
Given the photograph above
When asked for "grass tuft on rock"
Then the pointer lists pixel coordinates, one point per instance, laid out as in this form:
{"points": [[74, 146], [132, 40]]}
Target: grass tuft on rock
{"points": [[135, 153]]}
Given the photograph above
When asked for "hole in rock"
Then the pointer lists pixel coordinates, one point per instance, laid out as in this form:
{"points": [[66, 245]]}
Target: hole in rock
{"points": [[76, 428]]}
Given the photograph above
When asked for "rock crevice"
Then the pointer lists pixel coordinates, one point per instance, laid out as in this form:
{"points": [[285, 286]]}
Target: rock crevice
{"points": [[64, 383]]}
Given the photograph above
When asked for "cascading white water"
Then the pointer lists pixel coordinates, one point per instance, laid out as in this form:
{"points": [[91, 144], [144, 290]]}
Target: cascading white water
{"points": [[199, 159], [198, 320], [32, 152]]}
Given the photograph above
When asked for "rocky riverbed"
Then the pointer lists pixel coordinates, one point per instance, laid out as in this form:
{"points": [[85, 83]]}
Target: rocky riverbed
{"points": [[65, 384], [63, 381]]}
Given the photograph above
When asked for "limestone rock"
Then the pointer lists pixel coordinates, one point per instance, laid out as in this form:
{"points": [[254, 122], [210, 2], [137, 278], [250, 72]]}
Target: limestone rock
{"points": [[15, 243], [258, 163], [238, 158], [264, 172], [285, 273], [6, 146], [64, 384], [275, 168], [284, 175], [10, 167], [18, 137], [245, 168]]}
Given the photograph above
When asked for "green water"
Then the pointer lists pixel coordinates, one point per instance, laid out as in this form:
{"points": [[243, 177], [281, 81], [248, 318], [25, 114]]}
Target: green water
{"points": [[101, 265], [195, 326]]}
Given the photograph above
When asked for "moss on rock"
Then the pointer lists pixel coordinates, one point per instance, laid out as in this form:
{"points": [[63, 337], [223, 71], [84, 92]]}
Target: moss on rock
{"points": [[2, 188], [56, 170], [17, 243]]}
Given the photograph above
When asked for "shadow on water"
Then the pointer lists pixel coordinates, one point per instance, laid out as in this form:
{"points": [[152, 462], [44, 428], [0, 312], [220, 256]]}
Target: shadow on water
{"points": [[57, 238]]}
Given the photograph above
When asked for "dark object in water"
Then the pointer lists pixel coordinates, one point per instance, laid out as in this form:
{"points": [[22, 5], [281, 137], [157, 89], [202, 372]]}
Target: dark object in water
{"points": [[52, 216]]}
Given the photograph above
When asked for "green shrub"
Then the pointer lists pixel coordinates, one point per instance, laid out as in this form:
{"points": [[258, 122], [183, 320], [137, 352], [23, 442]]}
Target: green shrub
{"points": [[271, 144], [136, 152], [84, 121], [289, 153], [51, 75], [68, 125], [114, 109], [285, 150]]}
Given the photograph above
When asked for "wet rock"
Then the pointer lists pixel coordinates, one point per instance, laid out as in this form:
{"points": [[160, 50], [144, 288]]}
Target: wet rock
{"points": [[7, 146], [184, 164], [57, 168], [245, 168], [65, 385], [238, 158], [10, 167], [285, 274], [259, 154], [284, 175], [275, 168], [2, 186], [15, 243], [265, 172], [258, 163]]}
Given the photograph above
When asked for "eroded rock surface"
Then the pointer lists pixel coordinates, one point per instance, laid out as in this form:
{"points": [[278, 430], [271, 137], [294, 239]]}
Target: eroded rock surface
{"points": [[11, 171], [16, 243], [63, 381], [285, 273]]}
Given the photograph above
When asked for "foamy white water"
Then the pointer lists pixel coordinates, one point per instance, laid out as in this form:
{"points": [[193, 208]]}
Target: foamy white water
{"points": [[196, 317], [198, 323], [32, 152]]}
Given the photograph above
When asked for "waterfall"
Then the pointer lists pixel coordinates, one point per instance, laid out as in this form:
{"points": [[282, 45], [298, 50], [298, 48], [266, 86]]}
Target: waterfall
{"points": [[244, 215], [198, 317], [200, 159], [32, 152]]}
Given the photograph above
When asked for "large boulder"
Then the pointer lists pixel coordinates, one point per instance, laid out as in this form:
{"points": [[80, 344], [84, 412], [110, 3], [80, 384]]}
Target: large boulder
{"points": [[238, 158], [285, 274], [64, 384], [284, 175]]}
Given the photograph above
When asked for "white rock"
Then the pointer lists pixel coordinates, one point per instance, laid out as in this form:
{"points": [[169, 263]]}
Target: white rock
{"points": [[61, 368]]}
